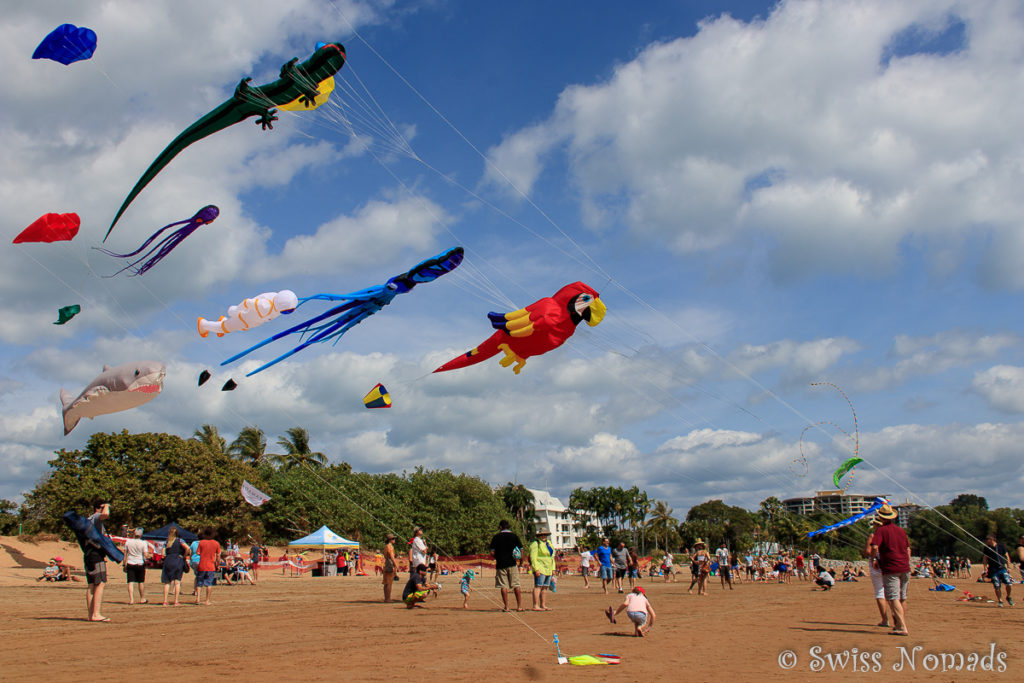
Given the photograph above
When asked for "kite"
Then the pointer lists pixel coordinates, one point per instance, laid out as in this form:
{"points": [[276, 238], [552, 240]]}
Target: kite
{"points": [[51, 227], [207, 214], [844, 468], [377, 398], [540, 327], [855, 438], [252, 495], [115, 389], [879, 502], [66, 44], [250, 313], [360, 305], [298, 83], [67, 313], [324, 87], [86, 534]]}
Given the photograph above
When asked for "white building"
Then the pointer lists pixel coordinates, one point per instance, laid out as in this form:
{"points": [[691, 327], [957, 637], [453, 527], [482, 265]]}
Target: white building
{"points": [[556, 518]]}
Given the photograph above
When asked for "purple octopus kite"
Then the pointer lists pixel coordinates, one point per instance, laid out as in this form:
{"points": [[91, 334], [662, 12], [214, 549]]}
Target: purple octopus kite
{"points": [[205, 215]]}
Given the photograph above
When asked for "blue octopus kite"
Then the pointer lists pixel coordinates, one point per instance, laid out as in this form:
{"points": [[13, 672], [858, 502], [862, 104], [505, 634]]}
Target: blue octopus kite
{"points": [[359, 305], [205, 215]]}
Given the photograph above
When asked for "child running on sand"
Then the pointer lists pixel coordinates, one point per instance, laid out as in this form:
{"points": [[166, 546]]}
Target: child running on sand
{"points": [[638, 609], [464, 587]]}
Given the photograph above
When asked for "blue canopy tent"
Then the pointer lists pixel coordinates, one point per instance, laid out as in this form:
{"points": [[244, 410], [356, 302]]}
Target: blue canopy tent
{"points": [[323, 539], [162, 533]]}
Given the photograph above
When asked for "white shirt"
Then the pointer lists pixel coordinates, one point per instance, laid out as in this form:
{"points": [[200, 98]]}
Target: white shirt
{"points": [[135, 551], [585, 558], [419, 552], [826, 577], [668, 560], [723, 557]]}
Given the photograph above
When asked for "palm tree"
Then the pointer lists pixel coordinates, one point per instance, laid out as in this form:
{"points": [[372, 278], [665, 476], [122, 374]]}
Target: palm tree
{"points": [[297, 451], [211, 438], [519, 502], [250, 446], [662, 521]]}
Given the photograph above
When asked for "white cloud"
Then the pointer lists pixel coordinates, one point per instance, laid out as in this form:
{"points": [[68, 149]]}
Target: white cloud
{"points": [[798, 126], [1002, 386]]}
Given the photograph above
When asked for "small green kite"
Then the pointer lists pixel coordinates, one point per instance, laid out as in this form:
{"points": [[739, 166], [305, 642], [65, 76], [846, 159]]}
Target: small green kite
{"points": [[67, 313], [844, 468]]}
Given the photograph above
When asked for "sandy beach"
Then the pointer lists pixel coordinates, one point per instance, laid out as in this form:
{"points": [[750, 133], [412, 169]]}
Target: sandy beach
{"points": [[313, 628]]}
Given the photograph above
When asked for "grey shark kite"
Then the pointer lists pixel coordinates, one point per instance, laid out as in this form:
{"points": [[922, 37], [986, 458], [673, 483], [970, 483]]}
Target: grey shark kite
{"points": [[115, 389]]}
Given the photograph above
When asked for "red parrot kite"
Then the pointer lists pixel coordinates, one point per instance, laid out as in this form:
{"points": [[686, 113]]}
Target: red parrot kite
{"points": [[540, 327]]}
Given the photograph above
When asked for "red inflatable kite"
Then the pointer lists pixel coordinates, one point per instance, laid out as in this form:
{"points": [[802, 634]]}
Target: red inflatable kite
{"points": [[53, 227], [540, 327]]}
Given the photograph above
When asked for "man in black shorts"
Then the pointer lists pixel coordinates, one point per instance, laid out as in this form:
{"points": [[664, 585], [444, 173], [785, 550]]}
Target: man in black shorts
{"points": [[507, 550], [95, 562], [620, 561]]}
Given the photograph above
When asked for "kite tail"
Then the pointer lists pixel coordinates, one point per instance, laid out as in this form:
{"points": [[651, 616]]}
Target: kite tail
{"points": [[486, 350]]}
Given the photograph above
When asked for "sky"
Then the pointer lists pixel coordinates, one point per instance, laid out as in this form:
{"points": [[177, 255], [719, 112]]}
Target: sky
{"points": [[782, 205]]}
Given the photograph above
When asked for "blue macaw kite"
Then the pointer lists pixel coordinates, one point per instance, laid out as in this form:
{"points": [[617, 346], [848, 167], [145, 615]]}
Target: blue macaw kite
{"points": [[359, 305]]}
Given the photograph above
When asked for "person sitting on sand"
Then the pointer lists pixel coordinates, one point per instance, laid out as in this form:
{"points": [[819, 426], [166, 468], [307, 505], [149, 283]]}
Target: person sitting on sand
{"points": [[417, 588], [825, 580], [51, 572], [65, 570], [638, 609]]}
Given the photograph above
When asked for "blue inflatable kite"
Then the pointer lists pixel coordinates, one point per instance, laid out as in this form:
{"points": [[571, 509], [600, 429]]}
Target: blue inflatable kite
{"points": [[66, 44], [360, 305], [879, 502]]}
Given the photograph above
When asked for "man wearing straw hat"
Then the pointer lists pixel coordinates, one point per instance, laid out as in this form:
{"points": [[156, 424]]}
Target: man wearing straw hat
{"points": [[890, 545], [876, 574]]}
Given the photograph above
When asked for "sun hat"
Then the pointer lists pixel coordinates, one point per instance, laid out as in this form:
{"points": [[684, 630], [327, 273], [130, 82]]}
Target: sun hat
{"points": [[886, 512], [389, 537], [543, 532], [698, 542]]}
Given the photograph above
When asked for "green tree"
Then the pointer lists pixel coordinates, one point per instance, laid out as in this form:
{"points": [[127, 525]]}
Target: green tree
{"points": [[521, 504], [250, 446], [149, 479], [8, 517], [211, 438], [297, 452], [662, 524]]}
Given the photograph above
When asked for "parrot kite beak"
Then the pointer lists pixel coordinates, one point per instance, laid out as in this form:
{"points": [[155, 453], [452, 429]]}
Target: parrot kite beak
{"points": [[597, 310]]}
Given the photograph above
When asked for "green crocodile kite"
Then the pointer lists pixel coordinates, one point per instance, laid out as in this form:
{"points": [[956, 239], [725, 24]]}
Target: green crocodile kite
{"points": [[299, 83]]}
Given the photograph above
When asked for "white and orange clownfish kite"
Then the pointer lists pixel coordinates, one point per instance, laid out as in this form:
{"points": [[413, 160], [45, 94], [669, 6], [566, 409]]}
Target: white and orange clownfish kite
{"points": [[250, 313]]}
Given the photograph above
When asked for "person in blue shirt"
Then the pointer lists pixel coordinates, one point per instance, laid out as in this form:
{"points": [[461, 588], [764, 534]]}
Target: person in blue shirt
{"points": [[603, 553]]}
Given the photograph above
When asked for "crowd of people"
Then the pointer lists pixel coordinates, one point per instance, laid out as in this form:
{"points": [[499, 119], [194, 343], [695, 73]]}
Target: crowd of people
{"points": [[886, 551]]}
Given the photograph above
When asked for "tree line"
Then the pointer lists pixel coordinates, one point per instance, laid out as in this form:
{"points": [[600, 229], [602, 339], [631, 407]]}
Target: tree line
{"points": [[152, 479]]}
